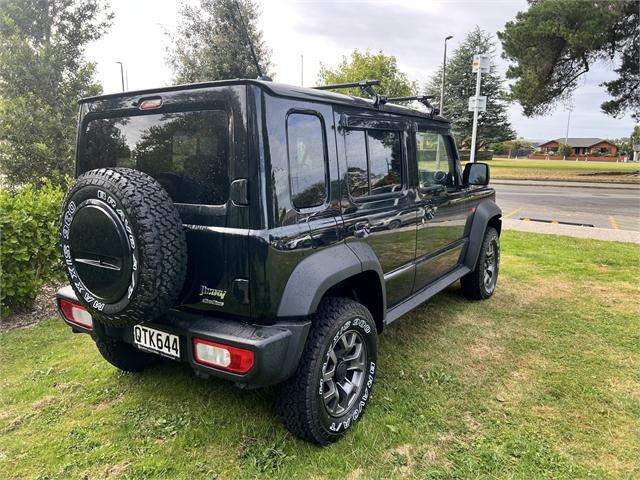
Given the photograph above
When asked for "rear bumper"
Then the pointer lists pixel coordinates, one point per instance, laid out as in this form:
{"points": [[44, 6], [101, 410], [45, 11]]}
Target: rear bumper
{"points": [[277, 348]]}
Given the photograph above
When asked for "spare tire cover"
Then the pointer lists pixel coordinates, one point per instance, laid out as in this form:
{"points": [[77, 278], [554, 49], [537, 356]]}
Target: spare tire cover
{"points": [[123, 246]]}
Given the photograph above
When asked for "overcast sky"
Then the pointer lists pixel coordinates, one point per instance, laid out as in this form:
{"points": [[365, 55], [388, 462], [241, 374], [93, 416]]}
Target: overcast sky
{"points": [[323, 31]]}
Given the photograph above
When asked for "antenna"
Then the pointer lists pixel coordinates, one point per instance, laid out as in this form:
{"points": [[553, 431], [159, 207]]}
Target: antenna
{"points": [[253, 53]]}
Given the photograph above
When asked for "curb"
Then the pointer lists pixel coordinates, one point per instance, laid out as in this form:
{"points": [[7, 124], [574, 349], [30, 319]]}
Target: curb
{"points": [[594, 233], [567, 184]]}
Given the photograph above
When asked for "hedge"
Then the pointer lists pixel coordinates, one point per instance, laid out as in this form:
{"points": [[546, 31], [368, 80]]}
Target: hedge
{"points": [[29, 243], [481, 155]]}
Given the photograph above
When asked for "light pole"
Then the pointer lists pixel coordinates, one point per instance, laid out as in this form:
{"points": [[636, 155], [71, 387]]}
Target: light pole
{"points": [[444, 68], [566, 137], [121, 74]]}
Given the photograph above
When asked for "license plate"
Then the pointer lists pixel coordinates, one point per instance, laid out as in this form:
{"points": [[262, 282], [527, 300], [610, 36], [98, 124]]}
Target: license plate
{"points": [[156, 341]]}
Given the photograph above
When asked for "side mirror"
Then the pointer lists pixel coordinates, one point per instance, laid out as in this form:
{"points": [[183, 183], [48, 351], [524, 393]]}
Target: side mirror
{"points": [[475, 174]]}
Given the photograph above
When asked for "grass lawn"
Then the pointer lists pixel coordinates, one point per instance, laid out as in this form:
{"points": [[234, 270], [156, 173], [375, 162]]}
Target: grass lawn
{"points": [[564, 170], [541, 381]]}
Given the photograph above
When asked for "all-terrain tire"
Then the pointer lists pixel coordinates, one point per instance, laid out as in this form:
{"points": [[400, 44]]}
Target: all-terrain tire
{"points": [[129, 218], [300, 400], [125, 356], [474, 284]]}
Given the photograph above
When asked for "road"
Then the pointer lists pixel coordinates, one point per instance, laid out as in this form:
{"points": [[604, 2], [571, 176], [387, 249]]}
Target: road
{"points": [[611, 208]]}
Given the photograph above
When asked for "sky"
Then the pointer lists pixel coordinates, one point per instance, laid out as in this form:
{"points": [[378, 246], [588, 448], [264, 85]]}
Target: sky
{"points": [[323, 31]]}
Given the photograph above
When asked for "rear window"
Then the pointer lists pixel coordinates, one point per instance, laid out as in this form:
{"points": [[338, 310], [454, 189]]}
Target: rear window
{"points": [[186, 152]]}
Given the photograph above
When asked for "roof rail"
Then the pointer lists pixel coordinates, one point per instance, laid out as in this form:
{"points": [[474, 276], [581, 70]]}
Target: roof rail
{"points": [[423, 99], [364, 85]]}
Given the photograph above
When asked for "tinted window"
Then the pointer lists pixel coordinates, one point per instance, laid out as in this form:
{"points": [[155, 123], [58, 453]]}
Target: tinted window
{"points": [[358, 173], [385, 161], [435, 164], [307, 165], [374, 161], [187, 152]]}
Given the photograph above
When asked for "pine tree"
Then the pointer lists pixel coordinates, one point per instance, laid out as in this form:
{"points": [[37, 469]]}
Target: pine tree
{"points": [[460, 84], [211, 42]]}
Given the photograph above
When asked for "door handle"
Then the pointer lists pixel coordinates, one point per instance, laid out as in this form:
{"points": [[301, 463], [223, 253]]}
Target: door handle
{"points": [[361, 229]]}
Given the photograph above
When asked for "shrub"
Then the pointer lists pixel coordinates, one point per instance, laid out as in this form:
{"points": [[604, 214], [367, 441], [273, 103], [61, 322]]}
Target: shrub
{"points": [[29, 246], [481, 155]]}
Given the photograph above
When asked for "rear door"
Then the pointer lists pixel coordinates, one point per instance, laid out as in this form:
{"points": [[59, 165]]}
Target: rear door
{"points": [[378, 205]]}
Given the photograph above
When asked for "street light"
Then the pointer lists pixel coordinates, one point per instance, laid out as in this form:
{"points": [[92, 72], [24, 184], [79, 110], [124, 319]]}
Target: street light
{"points": [[444, 67], [121, 74]]}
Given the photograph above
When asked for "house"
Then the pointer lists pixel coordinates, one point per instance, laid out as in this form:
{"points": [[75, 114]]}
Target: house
{"points": [[581, 146]]}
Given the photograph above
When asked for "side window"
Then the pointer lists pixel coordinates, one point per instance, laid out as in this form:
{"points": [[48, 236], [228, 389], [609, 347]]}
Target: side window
{"points": [[307, 160], [374, 161], [435, 164]]}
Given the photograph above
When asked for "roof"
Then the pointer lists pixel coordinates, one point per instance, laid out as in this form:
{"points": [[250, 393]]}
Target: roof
{"points": [[282, 90], [579, 142]]}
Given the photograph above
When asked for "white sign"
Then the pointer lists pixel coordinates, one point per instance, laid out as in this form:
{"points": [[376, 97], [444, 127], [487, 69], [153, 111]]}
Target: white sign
{"points": [[481, 62], [479, 102]]}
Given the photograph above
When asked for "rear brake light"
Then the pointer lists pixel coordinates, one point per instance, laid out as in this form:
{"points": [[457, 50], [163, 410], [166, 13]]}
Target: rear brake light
{"points": [[150, 104], [76, 314], [224, 357]]}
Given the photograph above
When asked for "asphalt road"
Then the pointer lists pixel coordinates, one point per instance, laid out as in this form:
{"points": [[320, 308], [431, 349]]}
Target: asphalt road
{"points": [[595, 207]]}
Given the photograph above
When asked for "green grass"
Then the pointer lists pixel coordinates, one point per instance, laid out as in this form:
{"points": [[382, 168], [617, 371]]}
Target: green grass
{"points": [[541, 381], [563, 170]]}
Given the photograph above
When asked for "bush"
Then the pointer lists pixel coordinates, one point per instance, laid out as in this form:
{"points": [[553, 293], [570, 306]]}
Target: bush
{"points": [[481, 155], [29, 247]]}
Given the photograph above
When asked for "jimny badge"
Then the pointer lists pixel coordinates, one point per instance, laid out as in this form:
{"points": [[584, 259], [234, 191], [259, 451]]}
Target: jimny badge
{"points": [[212, 296]]}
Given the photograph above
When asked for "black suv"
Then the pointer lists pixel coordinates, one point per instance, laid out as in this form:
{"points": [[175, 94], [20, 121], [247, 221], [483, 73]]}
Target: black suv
{"points": [[266, 234]]}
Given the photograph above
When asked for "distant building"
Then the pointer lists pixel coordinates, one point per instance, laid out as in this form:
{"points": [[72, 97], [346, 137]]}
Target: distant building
{"points": [[581, 146]]}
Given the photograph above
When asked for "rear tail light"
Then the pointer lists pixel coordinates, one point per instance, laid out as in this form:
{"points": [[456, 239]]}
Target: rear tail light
{"points": [[76, 314], [223, 357]]}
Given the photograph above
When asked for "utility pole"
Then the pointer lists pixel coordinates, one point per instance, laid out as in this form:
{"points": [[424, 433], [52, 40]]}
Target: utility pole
{"points": [[481, 64], [444, 67], [566, 135], [302, 70], [121, 74]]}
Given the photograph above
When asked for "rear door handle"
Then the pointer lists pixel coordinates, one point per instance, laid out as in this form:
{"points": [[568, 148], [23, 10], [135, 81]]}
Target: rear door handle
{"points": [[361, 229]]}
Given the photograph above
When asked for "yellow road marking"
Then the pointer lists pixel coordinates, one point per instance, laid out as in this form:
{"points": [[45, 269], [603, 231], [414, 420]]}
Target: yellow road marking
{"points": [[612, 221], [512, 213]]}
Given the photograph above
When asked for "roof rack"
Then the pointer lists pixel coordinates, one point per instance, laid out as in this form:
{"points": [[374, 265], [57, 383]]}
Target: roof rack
{"points": [[364, 85], [423, 99]]}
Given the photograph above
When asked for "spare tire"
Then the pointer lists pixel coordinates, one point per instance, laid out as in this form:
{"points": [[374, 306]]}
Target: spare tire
{"points": [[123, 246]]}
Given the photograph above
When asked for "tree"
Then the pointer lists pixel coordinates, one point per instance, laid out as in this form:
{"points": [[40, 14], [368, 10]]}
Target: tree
{"points": [[368, 66], [555, 42], [565, 150], [211, 42], [493, 125], [43, 72]]}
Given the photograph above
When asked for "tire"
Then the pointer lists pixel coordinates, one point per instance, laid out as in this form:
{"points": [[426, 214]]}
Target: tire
{"points": [[394, 224], [125, 356], [474, 284], [341, 328], [123, 246]]}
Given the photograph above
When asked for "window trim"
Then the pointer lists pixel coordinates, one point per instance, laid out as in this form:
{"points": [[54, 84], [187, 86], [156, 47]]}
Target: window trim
{"points": [[403, 172], [327, 182]]}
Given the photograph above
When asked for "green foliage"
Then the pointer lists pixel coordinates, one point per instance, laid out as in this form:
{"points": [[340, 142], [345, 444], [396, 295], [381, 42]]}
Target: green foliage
{"points": [[555, 42], [564, 150], [211, 42], [368, 66], [29, 247], [42, 74], [460, 84]]}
